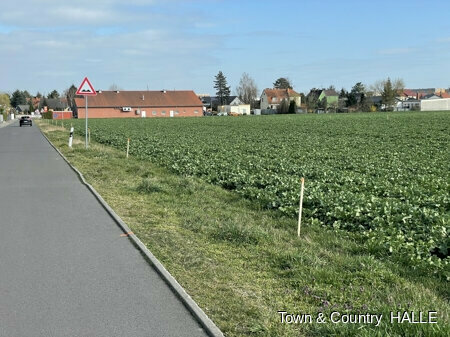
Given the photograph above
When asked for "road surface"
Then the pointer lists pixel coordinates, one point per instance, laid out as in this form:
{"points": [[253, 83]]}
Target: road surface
{"points": [[64, 268]]}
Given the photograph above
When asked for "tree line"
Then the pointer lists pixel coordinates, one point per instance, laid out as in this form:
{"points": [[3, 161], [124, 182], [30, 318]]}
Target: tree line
{"points": [[358, 98], [23, 97]]}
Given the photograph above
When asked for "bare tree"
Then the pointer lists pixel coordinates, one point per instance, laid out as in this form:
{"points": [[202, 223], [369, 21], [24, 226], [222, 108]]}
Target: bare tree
{"points": [[70, 95], [378, 87], [247, 90], [399, 85]]}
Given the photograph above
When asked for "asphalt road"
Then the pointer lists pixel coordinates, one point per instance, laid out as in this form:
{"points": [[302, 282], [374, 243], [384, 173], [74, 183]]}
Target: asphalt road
{"points": [[64, 268]]}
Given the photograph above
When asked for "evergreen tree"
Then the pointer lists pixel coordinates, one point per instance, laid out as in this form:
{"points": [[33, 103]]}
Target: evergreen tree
{"points": [[282, 83], [223, 90], [388, 95], [18, 98], [53, 94], [292, 107]]}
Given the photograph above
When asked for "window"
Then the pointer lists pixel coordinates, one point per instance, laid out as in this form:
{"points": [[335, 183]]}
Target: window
{"points": [[196, 111], [163, 112], [274, 99], [154, 113], [176, 112]]}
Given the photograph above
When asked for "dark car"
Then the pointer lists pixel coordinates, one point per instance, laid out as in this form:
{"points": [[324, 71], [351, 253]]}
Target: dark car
{"points": [[26, 120]]}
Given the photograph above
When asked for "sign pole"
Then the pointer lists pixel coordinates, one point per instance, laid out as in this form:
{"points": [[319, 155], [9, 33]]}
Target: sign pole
{"points": [[86, 121], [86, 89]]}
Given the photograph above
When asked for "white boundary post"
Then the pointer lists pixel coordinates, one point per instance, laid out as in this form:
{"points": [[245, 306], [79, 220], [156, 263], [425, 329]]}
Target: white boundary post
{"points": [[71, 137], [128, 146], [301, 206]]}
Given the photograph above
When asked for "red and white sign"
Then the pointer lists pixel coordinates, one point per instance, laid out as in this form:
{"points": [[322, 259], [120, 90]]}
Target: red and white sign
{"points": [[86, 88]]}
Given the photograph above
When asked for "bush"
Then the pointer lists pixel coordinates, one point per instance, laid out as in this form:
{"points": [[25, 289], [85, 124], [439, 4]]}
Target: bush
{"points": [[47, 115]]}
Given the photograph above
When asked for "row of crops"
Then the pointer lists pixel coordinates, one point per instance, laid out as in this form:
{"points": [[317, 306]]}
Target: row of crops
{"points": [[384, 176]]}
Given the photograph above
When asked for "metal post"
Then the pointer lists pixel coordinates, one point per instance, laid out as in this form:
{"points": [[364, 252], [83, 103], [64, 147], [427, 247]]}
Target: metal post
{"points": [[86, 117]]}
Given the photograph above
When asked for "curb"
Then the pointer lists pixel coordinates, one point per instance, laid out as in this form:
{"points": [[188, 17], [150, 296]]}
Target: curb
{"points": [[206, 323], [6, 123]]}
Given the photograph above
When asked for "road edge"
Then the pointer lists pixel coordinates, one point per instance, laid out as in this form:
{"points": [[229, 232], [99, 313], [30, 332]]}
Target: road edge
{"points": [[206, 323]]}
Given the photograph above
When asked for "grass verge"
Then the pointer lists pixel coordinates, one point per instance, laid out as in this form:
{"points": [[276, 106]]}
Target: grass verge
{"points": [[243, 265]]}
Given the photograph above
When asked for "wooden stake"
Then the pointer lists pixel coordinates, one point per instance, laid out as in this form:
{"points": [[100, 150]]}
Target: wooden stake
{"points": [[128, 146], [301, 207], [89, 135]]}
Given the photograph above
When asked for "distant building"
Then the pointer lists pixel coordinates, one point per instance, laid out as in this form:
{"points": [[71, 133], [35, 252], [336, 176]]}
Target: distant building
{"points": [[435, 104], [331, 96], [213, 102], [23, 108], [138, 104], [235, 107], [272, 98], [411, 104]]}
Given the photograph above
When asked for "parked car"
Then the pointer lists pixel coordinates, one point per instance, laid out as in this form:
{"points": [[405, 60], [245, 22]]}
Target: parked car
{"points": [[25, 120]]}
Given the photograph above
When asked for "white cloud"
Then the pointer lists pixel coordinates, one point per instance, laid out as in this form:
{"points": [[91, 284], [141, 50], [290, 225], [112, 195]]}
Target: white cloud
{"points": [[109, 40]]}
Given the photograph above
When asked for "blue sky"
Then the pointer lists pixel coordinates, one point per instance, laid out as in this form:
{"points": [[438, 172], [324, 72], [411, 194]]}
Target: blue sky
{"points": [[172, 44]]}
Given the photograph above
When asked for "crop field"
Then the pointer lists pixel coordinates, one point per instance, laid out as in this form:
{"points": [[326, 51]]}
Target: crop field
{"points": [[382, 176]]}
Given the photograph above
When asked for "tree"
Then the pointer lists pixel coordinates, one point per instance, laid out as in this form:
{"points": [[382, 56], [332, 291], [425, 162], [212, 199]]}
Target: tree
{"points": [[282, 83], [378, 87], [292, 107], [388, 95], [38, 95], [247, 90], [223, 90], [43, 102], [357, 96], [18, 98], [399, 86], [4, 102], [312, 99], [27, 95], [70, 95], [323, 104], [53, 94]]}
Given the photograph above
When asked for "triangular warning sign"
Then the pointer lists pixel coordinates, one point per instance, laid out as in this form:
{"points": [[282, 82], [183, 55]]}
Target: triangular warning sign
{"points": [[86, 88]]}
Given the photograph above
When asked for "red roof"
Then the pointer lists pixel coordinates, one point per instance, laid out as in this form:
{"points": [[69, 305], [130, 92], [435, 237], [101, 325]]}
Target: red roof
{"points": [[169, 98], [280, 94]]}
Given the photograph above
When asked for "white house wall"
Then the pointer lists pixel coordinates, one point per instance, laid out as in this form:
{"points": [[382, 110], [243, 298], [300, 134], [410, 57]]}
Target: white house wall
{"points": [[435, 104]]}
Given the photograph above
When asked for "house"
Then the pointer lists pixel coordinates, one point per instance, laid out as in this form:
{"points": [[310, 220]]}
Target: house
{"points": [[321, 100], [331, 97], [211, 103], [272, 98], [55, 104], [135, 104], [235, 107], [23, 108], [411, 104], [416, 93]]}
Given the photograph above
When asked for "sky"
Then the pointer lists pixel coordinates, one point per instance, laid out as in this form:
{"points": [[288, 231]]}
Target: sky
{"points": [[182, 45]]}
